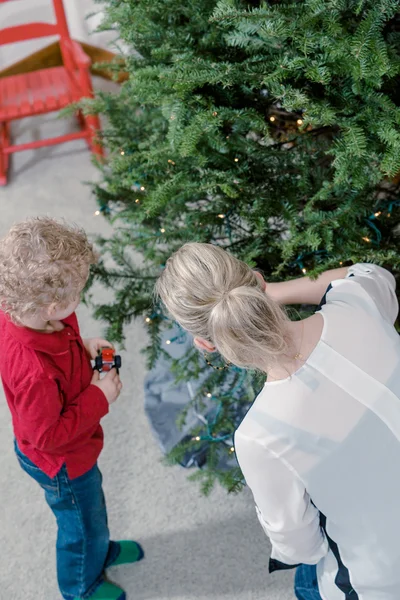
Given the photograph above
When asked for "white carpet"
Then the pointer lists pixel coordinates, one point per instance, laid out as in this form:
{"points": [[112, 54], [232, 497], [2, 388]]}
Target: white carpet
{"points": [[196, 548]]}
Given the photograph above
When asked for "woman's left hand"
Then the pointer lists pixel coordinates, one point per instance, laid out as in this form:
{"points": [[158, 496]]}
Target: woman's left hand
{"points": [[93, 345]]}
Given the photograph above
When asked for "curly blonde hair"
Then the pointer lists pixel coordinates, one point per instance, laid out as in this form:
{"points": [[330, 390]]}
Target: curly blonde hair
{"points": [[217, 297], [42, 261]]}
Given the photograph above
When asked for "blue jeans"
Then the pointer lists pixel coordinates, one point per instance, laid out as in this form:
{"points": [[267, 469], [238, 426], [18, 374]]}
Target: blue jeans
{"points": [[83, 545], [306, 583]]}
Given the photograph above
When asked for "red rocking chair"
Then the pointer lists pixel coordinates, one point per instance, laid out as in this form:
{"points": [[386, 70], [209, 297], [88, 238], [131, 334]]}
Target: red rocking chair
{"points": [[45, 90]]}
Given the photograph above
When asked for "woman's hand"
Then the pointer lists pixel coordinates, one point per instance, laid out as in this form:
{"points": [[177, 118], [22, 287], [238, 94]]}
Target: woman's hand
{"points": [[93, 345]]}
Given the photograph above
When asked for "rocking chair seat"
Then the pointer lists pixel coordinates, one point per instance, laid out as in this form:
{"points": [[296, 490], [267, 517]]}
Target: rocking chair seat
{"points": [[46, 90], [38, 92]]}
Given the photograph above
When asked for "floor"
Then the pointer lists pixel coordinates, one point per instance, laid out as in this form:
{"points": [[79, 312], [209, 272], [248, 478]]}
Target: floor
{"points": [[196, 548]]}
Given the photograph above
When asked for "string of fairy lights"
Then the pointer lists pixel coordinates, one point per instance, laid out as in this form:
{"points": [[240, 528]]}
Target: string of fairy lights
{"points": [[384, 208], [209, 436], [374, 239], [105, 210]]}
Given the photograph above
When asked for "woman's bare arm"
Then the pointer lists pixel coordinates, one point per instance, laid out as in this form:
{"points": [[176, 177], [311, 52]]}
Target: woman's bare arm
{"points": [[304, 290]]}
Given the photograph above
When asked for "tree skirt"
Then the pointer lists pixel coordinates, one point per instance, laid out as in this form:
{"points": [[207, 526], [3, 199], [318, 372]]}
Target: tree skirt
{"points": [[165, 401]]}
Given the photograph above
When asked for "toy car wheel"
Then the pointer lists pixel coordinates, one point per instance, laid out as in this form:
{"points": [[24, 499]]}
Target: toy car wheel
{"points": [[98, 363], [117, 361]]}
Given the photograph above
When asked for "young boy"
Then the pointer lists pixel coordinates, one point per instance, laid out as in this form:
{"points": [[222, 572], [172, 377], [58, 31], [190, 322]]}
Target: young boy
{"points": [[55, 398]]}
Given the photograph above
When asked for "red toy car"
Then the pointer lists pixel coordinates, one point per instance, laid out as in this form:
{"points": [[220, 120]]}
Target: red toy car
{"points": [[107, 360]]}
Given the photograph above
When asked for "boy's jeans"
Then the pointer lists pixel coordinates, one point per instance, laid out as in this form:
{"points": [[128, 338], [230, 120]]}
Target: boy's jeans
{"points": [[83, 546], [306, 583]]}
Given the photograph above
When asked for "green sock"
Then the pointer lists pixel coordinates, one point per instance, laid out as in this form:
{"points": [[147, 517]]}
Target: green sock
{"points": [[130, 552], [108, 591]]}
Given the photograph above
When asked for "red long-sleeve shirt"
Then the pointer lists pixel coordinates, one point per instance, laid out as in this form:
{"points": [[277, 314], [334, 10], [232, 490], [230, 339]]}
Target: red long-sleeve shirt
{"points": [[55, 411]]}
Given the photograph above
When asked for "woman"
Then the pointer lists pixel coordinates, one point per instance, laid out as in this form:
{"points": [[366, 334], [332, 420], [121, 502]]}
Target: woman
{"points": [[320, 446]]}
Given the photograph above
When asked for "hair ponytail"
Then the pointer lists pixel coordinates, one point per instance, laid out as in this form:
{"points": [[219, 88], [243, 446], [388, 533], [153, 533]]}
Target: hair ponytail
{"points": [[217, 297], [247, 328]]}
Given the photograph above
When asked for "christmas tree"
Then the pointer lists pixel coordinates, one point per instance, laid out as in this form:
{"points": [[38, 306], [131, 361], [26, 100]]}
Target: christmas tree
{"points": [[269, 128]]}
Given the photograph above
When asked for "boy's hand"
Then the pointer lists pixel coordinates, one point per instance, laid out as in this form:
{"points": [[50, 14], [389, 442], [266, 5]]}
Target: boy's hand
{"points": [[93, 345], [110, 384]]}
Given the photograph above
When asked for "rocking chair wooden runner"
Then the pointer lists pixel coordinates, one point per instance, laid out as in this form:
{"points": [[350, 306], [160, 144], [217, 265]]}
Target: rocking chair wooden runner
{"points": [[45, 90]]}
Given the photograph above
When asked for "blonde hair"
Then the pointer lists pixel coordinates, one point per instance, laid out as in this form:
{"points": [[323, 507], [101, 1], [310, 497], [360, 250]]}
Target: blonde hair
{"points": [[42, 261], [217, 297]]}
